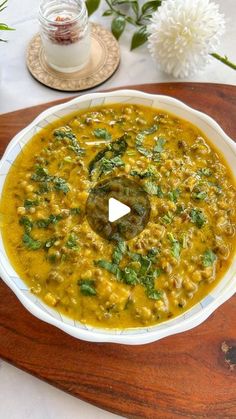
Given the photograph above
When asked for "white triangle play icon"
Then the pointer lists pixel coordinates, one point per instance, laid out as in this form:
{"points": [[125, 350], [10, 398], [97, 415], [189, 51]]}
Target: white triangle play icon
{"points": [[116, 210]]}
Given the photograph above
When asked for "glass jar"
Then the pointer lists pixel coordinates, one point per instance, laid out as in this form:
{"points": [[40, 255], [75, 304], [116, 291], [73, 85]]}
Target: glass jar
{"points": [[65, 34]]}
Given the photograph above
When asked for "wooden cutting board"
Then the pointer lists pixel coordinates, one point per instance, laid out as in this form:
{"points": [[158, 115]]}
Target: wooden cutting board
{"points": [[187, 375]]}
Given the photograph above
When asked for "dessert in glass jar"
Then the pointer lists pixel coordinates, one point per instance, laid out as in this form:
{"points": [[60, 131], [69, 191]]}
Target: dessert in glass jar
{"points": [[65, 34]]}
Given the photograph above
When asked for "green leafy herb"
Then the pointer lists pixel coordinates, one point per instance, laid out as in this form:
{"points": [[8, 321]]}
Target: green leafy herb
{"points": [[26, 223], [119, 251], [140, 138], [30, 204], [208, 258], [201, 196], [204, 172], [41, 175], [62, 133], [140, 271], [99, 164], [109, 266], [72, 242], [174, 195], [152, 189], [175, 249], [30, 243], [102, 133], [87, 287], [197, 217], [60, 185], [130, 276], [167, 218], [107, 166], [159, 147], [150, 172], [45, 222]]}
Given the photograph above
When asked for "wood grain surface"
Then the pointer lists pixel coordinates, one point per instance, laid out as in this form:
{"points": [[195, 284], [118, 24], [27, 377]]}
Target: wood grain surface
{"points": [[192, 374]]}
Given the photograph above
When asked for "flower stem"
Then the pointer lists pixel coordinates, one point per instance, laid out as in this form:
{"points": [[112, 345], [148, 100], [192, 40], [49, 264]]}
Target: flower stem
{"points": [[224, 60]]}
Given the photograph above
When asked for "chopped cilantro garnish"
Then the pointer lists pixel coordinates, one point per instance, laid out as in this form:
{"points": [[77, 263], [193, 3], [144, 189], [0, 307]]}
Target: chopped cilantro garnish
{"points": [[159, 147], [150, 172], [175, 246], [174, 195], [201, 196], [102, 133], [72, 241], [26, 223], [30, 243], [204, 172], [30, 204], [87, 287], [45, 222], [119, 251], [197, 217], [208, 258], [153, 189]]}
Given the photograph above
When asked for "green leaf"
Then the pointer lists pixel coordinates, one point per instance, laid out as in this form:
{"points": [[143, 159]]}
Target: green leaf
{"points": [[72, 241], [110, 267], [197, 217], [135, 7], [107, 12], [3, 5], [45, 222], [26, 223], [151, 6], [102, 133], [87, 287], [60, 185], [30, 243], [130, 276], [150, 172], [154, 294], [174, 195], [92, 6], [175, 248], [114, 149], [118, 26], [139, 38], [204, 171], [30, 204], [152, 189], [4, 27], [119, 252], [201, 196], [208, 258], [159, 147]]}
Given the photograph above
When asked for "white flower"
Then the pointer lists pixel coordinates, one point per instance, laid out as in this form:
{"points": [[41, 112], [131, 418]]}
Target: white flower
{"points": [[183, 33]]}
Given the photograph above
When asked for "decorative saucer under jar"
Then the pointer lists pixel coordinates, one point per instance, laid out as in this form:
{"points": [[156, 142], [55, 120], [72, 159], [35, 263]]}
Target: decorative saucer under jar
{"points": [[65, 34]]}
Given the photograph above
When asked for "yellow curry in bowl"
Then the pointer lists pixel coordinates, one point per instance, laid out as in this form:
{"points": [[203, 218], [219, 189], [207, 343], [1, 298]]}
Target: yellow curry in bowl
{"points": [[181, 254]]}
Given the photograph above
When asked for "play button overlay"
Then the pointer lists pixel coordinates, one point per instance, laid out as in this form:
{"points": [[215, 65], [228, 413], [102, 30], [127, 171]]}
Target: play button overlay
{"points": [[118, 208]]}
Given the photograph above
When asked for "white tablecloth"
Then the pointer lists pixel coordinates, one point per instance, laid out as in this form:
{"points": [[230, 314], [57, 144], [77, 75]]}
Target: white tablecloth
{"points": [[22, 396]]}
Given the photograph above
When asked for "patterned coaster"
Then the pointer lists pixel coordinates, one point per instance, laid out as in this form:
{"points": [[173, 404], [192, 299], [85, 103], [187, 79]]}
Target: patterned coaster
{"points": [[105, 58]]}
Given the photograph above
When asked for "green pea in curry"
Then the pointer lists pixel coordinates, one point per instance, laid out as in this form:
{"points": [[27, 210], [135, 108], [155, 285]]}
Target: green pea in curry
{"points": [[185, 249]]}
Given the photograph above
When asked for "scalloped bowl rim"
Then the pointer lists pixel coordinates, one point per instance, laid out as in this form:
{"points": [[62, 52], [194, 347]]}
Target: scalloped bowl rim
{"points": [[189, 319]]}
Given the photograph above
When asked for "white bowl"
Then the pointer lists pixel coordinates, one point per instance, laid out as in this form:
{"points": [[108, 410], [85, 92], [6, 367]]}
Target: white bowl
{"points": [[191, 318]]}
